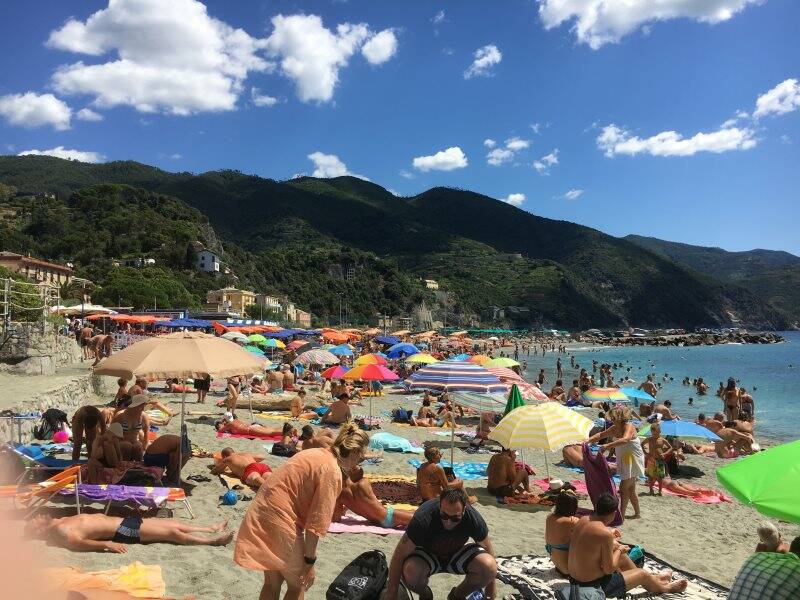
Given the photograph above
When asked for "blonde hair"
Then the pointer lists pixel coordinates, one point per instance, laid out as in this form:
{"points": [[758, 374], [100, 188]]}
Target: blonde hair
{"points": [[620, 413], [769, 535], [351, 439]]}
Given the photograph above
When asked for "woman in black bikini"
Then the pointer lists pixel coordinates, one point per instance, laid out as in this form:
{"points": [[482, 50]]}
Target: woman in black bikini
{"points": [[731, 399], [135, 425]]}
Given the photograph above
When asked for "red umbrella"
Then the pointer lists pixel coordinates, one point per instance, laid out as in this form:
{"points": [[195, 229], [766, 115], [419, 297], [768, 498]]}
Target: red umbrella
{"points": [[296, 344], [371, 373], [336, 372]]}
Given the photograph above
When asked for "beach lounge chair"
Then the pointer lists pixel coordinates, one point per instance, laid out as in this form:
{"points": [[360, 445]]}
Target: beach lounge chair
{"points": [[34, 496], [34, 459], [131, 496]]}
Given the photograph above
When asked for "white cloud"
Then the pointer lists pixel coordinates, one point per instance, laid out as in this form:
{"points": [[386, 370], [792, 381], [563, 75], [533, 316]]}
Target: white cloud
{"points": [[729, 123], [380, 47], [485, 58], [87, 114], [515, 199], [498, 156], [176, 156], [598, 22], [260, 99], [786, 139], [614, 140], [312, 55], [548, 160], [444, 160], [438, 18], [34, 110], [330, 165], [782, 99], [61, 152], [170, 57], [574, 194], [535, 127], [406, 174]]}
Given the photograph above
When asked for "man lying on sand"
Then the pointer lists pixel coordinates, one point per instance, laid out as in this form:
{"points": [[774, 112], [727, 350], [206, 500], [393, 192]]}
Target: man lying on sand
{"points": [[597, 559], [431, 478], [238, 427], [505, 478], [101, 533], [250, 468], [357, 496]]}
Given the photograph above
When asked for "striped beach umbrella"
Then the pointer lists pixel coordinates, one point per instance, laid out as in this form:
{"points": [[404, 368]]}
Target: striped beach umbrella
{"points": [[502, 361], [421, 359], [317, 357], [480, 402], [370, 359], [454, 376], [509, 377], [295, 344], [605, 394]]}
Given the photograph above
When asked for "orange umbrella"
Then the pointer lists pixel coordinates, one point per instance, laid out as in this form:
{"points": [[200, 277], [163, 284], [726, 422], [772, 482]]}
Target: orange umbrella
{"points": [[370, 359], [370, 373], [480, 359], [336, 337]]}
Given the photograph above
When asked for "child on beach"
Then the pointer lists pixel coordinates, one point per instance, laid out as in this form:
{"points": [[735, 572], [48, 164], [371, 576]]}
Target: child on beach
{"points": [[656, 451]]}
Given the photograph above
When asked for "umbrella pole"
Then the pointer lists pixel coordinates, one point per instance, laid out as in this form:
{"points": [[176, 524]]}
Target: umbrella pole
{"points": [[183, 418], [452, 439], [546, 463]]}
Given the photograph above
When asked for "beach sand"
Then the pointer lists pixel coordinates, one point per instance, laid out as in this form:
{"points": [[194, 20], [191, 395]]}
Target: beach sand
{"points": [[709, 540]]}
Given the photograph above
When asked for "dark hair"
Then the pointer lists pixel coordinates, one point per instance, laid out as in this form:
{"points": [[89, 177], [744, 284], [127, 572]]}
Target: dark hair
{"points": [[343, 396], [307, 432], [731, 384], [559, 382], [301, 392], [225, 452], [667, 403], [701, 417], [566, 504], [124, 401], [287, 428], [454, 495], [426, 402], [430, 452], [794, 547], [729, 424], [92, 418], [606, 504]]}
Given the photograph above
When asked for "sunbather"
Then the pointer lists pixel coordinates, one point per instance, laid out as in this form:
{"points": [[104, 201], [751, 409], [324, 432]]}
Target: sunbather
{"points": [[558, 529], [87, 423], [431, 478], [338, 411], [165, 452], [248, 467], [504, 477], [573, 454], [237, 427], [101, 533], [309, 439], [107, 452], [298, 407], [357, 496]]}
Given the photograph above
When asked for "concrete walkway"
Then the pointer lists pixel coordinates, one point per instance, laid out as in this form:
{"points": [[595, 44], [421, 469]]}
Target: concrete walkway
{"points": [[17, 389]]}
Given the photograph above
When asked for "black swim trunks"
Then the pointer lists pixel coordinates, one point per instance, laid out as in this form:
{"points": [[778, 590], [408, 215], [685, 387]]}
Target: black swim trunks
{"points": [[128, 531], [613, 585]]}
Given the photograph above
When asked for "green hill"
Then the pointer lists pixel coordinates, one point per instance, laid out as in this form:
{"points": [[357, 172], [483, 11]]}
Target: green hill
{"points": [[295, 237]]}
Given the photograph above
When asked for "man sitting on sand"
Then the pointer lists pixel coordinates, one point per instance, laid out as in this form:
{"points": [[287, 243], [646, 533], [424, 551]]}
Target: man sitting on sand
{"points": [[596, 557], [770, 539], [101, 533], [298, 407], [309, 439], [248, 467], [431, 478], [338, 411], [357, 496], [237, 427], [505, 478], [165, 452]]}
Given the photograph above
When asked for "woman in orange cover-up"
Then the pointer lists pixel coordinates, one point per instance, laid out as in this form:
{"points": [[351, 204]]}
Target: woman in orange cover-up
{"points": [[292, 511]]}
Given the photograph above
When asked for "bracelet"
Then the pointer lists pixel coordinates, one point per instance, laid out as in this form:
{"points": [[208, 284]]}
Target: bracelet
{"points": [[310, 561]]}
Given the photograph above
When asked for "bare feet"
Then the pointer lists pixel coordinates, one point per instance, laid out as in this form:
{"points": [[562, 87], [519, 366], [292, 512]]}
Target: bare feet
{"points": [[222, 539], [677, 586], [635, 516], [219, 526]]}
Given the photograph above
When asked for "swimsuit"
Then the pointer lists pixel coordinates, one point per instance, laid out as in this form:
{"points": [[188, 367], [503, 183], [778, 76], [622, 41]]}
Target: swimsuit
{"points": [[656, 469], [613, 585], [156, 460], [388, 521], [128, 531], [550, 547], [503, 490], [126, 426], [255, 467], [457, 564]]}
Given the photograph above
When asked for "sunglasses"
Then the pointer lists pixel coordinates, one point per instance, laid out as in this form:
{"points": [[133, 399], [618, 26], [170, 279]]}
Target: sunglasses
{"points": [[454, 518]]}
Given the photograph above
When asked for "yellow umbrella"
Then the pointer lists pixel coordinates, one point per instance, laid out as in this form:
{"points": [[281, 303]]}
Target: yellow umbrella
{"points": [[548, 426], [502, 361], [480, 359], [424, 359], [369, 359]]}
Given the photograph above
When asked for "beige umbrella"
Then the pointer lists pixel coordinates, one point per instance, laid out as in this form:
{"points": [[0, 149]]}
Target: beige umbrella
{"points": [[182, 355]]}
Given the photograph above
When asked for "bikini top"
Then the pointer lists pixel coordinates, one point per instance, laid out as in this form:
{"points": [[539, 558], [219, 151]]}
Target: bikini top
{"points": [[550, 547], [136, 426]]}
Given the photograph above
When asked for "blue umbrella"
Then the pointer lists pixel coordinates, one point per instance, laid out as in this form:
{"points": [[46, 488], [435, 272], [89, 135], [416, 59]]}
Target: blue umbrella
{"points": [[458, 358], [636, 393], [401, 350], [343, 350], [684, 429], [389, 340]]}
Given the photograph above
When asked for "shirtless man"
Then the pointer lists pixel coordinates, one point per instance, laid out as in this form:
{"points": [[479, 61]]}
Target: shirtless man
{"points": [[357, 496], [235, 426], [308, 439], [165, 452], [505, 478], [733, 441], [339, 388], [425, 416], [431, 478], [713, 425], [101, 347], [250, 468], [288, 379], [257, 386], [275, 379], [87, 423], [649, 387], [87, 331], [665, 410], [101, 533], [338, 411], [557, 392], [597, 559]]}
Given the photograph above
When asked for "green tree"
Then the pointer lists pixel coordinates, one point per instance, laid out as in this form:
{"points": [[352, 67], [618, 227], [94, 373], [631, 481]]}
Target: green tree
{"points": [[145, 288]]}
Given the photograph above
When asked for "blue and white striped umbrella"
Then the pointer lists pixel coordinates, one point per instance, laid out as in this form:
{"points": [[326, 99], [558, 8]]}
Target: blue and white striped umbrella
{"points": [[449, 376]]}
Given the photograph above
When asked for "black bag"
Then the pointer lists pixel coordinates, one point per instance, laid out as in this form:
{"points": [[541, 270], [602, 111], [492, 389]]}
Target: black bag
{"points": [[280, 449], [137, 477], [362, 579], [52, 420]]}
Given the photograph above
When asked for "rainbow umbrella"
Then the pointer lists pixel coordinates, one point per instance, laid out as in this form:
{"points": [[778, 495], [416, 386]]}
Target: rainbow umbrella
{"points": [[502, 361], [272, 343], [336, 372], [371, 373], [456, 376], [605, 394], [370, 359], [421, 359], [317, 357]]}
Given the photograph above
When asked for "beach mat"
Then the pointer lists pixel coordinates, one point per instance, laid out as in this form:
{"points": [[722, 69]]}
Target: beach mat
{"points": [[137, 579], [396, 489], [353, 523], [465, 471], [707, 497], [272, 438], [535, 577]]}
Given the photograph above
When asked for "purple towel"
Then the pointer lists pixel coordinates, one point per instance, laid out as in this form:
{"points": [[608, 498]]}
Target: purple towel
{"points": [[144, 497], [598, 479]]}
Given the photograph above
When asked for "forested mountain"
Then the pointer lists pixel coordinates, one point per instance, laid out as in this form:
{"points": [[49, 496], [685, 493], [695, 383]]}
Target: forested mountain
{"points": [[295, 237]]}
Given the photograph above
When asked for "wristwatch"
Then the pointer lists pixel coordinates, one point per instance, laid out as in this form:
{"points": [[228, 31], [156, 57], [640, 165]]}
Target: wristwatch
{"points": [[309, 560]]}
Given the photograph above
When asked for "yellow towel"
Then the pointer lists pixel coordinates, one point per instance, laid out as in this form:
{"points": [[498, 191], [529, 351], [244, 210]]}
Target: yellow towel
{"points": [[137, 579], [402, 506], [374, 477]]}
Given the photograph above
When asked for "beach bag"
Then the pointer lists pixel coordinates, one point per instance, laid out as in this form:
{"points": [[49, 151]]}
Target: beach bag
{"points": [[401, 415], [137, 477], [52, 420], [279, 449], [574, 592], [363, 579]]}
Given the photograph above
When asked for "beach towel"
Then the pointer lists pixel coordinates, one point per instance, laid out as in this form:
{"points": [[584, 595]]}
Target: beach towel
{"points": [[144, 497], [462, 434], [465, 471], [393, 443], [112, 475], [580, 486], [136, 579], [275, 437], [535, 577], [396, 489], [353, 523], [598, 479], [527, 499], [707, 497]]}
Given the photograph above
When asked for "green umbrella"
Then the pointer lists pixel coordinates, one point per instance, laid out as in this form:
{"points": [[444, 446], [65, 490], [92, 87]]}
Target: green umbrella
{"points": [[256, 338], [767, 480], [254, 350], [514, 399]]}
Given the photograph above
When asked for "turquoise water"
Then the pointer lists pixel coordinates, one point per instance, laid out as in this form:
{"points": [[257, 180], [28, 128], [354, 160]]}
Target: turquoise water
{"points": [[772, 369]]}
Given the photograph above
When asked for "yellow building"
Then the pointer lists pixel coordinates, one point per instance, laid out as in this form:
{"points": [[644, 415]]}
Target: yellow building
{"points": [[36, 270], [229, 300]]}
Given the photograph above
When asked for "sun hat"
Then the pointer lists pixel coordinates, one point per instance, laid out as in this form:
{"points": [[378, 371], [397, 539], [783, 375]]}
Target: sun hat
{"points": [[116, 429], [138, 400], [556, 484]]}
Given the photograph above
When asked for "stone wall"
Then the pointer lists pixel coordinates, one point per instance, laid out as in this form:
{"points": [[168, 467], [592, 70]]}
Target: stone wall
{"points": [[83, 389], [28, 350]]}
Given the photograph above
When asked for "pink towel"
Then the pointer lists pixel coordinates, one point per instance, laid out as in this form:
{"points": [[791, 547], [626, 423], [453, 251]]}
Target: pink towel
{"points": [[352, 523], [707, 497], [579, 485], [273, 438]]}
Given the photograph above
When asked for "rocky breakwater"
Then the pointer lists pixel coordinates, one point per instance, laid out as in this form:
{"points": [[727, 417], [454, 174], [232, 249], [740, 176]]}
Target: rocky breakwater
{"points": [[36, 349], [693, 339]]}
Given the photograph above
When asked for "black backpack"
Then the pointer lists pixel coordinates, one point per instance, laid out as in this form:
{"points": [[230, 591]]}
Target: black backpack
{"points": [[52, 420], [363, 579]]}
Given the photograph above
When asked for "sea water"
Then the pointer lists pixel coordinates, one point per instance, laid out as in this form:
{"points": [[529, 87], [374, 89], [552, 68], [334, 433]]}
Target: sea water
{"points": [[769, 372]]}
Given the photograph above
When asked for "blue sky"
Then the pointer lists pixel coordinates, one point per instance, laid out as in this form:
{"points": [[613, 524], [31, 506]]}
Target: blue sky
{"points": [[617, 122]]}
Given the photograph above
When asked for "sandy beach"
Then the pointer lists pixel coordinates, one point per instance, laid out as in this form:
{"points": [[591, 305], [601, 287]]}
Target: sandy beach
{"points": [[709, 540]]}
